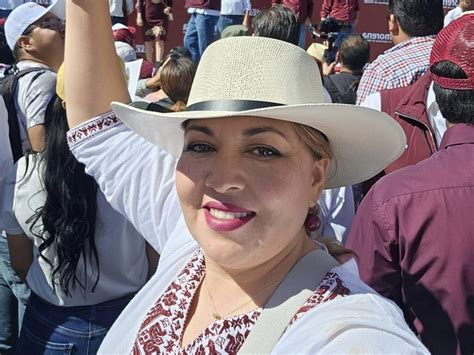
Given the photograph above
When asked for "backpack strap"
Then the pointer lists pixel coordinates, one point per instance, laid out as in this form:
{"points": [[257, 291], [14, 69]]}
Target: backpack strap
{"points": [[285, 302], [9, 99]]}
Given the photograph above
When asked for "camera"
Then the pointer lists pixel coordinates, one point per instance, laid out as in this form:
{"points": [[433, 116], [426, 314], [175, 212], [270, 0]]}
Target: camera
{"points": [[328, 30], [329, 25]]}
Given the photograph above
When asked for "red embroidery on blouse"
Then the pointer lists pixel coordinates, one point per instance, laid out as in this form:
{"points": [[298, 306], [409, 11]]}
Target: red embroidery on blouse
{"points": [[162, 329], [330, 288], [91, 128]]}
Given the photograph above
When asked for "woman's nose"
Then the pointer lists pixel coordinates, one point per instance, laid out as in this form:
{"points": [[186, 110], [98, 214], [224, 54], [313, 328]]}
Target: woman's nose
{"points": [[226, 175]]}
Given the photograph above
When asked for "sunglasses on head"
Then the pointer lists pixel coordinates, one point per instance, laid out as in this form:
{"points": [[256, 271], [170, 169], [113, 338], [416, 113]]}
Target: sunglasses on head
{"points": [[52, 23]]}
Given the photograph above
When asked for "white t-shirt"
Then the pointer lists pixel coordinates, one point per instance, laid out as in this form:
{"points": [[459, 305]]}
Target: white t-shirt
{"points": [[452, 15], [34, 93], [121, 250], [235, 7], [138, 180], [116, 7]]}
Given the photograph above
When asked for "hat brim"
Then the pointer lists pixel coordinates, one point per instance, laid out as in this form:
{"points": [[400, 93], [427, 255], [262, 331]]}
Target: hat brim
{"points": [[57, 8], [364, 141]]}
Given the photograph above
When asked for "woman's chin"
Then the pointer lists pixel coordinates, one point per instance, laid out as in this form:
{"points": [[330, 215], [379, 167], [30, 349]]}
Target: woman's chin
{"points": [[230, 253]]}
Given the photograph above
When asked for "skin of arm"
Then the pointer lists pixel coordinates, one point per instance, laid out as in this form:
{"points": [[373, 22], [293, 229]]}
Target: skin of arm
{"points": [[138, 7], [246, 21], [21, 253], [92, 81], [356, 18], [36, 137]]}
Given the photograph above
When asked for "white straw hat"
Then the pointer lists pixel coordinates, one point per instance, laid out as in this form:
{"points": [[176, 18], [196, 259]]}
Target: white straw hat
{"points": [[28, 13], [264, 77]]}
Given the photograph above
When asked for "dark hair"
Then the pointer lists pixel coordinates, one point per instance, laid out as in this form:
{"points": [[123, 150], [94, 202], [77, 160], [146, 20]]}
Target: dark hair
{"points": [[181, 51], [176, 79], [418, 17], [457, 106], [354, 52], [277, 22], [69, 212], [6, 55]]}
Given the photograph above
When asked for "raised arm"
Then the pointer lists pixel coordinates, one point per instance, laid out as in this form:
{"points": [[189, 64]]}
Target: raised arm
{"points": [[93, 75]]}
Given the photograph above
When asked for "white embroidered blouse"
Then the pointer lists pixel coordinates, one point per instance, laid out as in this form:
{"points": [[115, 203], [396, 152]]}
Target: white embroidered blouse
{"points": [[137, 178]]}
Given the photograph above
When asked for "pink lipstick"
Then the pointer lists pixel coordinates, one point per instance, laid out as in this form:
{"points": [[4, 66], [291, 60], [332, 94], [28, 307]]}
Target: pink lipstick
{"points": [[225, 217]]}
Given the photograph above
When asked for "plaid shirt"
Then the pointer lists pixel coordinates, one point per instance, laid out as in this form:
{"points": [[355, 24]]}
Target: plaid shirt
{"points": [[398, 67]]}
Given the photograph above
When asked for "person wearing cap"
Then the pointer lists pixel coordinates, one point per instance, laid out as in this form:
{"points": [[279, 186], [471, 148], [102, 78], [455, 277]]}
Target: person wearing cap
{"points": [[82, 260], [226, 192], [36, 35], [413, 26], [413, 232]]}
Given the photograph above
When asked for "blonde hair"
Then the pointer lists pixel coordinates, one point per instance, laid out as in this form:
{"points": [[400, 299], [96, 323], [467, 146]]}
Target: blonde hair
{"points": [[319, 147]]}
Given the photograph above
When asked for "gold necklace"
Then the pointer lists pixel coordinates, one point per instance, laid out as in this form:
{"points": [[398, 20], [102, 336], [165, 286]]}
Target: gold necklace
{"points": [[216, 314]]}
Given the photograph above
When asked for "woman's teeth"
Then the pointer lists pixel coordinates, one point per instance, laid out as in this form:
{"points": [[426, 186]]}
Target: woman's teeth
{"points": [[228, 215]]}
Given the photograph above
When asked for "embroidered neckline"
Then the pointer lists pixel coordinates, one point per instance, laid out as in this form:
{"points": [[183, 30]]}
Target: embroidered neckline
{"points": [[163, 327]]}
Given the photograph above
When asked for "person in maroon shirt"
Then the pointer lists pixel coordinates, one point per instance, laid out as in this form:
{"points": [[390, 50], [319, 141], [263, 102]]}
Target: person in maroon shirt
{"points": [[153, 17], [414, 232], [303, 9], [344, 11]]}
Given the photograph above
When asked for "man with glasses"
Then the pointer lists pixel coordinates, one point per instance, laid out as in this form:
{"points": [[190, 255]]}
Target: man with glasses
{"points": [[35, 34]]}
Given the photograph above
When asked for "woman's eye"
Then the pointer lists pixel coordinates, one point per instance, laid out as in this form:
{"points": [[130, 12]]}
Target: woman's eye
{"points": [[199, 148], [265, 152]]}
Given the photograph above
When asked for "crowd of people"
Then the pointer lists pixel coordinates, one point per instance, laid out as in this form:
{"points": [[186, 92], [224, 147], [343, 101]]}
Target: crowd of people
{"points": [[242, 194]]}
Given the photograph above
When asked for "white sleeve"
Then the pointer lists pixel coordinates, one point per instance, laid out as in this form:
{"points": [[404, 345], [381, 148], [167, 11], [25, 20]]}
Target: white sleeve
{"points": [[356, 324], [136, 177], [448, 18], [37, 94], [373, 101], [337, 212]]}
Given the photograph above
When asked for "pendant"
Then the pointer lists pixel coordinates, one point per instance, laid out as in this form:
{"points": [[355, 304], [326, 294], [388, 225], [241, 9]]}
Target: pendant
{"points": [[216, 316]]}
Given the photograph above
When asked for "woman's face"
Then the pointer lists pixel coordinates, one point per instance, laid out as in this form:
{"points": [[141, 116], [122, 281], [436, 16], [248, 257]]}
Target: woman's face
{"points": [[245, 185]]}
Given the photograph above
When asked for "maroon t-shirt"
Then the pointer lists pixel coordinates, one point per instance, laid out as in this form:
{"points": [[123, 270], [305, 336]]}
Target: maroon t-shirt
{"points": [[302, 8], [414, 237], [341, 10]]}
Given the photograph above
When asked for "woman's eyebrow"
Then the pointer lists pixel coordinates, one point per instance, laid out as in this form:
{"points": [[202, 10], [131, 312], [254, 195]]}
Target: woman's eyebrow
{"points": [[201, 129], [254, 131]]}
